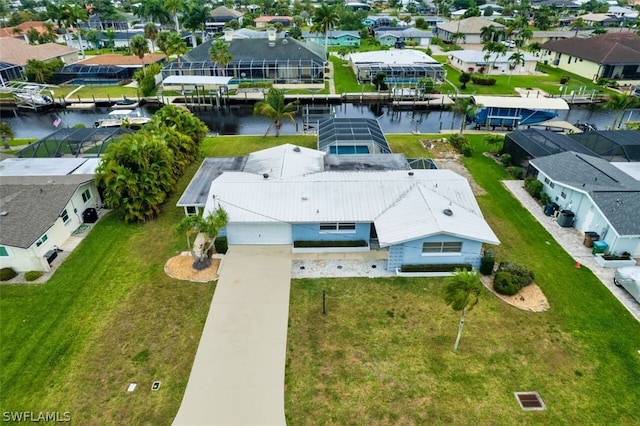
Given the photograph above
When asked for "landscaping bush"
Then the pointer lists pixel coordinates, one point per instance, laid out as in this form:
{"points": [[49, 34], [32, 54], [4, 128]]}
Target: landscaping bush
{"points": [[466, 150], [32, 275], [486, 263], [519, 270], [341, 243], [257, 84], [7, 273], [483, 81], [533, 187], [507, 283], [221, 245], [544, 198], [506, 160], [515, 172], [457, 141], [436, 267], [564, 79]]}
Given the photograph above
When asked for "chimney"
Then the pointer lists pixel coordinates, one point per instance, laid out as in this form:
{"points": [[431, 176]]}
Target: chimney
{"points": [[228, 34], [272, 34]]}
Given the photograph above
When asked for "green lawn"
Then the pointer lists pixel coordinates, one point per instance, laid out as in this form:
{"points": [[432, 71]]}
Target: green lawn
{"points": [[87, 92], [345, 79], [383, 353]]}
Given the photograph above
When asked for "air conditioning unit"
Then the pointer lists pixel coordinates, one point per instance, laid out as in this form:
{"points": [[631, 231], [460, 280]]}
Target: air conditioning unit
{"points": [[556, 61]]}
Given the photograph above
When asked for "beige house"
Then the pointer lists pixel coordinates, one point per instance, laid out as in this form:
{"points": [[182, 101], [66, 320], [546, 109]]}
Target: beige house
{"points": [[470, 27], [18, 52], [615, 56], [474, 61]]}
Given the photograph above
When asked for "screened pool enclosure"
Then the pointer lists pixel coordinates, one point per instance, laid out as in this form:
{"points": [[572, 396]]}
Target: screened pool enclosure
{"points": [[70, 142], [98, 73]]}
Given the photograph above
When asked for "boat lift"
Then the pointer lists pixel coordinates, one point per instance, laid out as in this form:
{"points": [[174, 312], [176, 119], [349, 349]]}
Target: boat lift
{"points": [[32, 96]]}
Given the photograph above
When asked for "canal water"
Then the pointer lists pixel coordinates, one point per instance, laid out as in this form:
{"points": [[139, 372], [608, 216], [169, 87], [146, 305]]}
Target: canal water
{"points": [[239, 119]]}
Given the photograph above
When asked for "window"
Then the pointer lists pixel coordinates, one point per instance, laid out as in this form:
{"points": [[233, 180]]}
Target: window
{"points": [[3, 251], [338, 227], [41, 240], [442, 247], [552, 185], [86, 195], [546, 180], [563, 195], [191, 210], [65, 216]]}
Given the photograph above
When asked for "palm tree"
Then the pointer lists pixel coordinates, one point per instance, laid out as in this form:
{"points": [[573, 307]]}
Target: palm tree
{"points": [[151, 34], [139, 46], [220, 55], [325, 18], [494, 47], [578, 25], [110, 36], [274, 108], [74, 15], [487, 33], [515, 59], [161, 41], [466, 108], [175, 45], [6, 132], [173, 7], [455, 37], [462, 292], [618, 103], [194, 17], [209, 227], [153, 10]]}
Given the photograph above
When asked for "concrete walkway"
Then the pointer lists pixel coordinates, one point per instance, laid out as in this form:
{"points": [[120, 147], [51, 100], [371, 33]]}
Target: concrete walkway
{"points": [[572, 241], [237, 377]]}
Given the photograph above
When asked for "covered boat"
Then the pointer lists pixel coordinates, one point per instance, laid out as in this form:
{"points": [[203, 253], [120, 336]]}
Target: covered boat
{"points": [[511, 112]]}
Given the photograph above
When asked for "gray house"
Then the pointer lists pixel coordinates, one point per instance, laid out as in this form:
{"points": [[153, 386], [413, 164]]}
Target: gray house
{"points": [[603, 198]]}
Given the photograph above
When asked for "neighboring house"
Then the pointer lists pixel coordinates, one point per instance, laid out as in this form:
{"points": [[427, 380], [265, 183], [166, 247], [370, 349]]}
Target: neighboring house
{"points": [[219, 16], [614, 56], [124, 61], [400, 37], [9, 72], [264, 21], [622, 12], [284, 195], [373, 22], [603, 198], [17, 52], [601, 20], [42, 202], [398, 65], [471, 61], [352, 136], [283, 61], [470, 27], [20, 30], [98, 23], [334, 38]]}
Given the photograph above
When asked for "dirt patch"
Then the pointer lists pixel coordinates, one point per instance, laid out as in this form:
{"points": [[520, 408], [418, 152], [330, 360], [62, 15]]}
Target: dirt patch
{"points": [[530, 298], [180, 267]]}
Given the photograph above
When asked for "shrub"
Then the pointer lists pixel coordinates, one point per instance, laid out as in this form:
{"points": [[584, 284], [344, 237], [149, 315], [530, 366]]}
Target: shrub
{"points": [[545, 198], [564, 79], [341, 243], [221, 245], [457, 141], [506, 160], [483, 81], [32, 275], [436, 267], [507, 283], [466, 150], [518, 270], [486, 263], [515, 172], [257, 84], [7, 273], [533, 187]]}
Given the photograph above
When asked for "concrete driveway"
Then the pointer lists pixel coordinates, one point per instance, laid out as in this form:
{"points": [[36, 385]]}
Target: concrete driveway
{"points": [[237, 377]]}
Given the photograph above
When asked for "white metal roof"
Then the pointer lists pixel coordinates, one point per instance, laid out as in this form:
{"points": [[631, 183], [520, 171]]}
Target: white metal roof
{"points": [[397, 201], [196, 79], [393, 56], [41, 166], [518, 102], [285, 161]]}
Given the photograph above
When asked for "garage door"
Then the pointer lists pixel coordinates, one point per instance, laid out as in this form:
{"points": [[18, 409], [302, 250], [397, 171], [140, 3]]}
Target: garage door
{"points": [[259, 233]]}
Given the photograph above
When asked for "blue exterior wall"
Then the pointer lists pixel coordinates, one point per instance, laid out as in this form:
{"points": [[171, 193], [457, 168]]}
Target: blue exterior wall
{"points": [[410, 253], [311, 232]]}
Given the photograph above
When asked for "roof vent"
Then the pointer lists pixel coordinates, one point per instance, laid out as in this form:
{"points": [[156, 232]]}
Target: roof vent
{"points": [[410, 173], [448, 212], [284, 41], [296, 148], [4, 213], [265, 175]]}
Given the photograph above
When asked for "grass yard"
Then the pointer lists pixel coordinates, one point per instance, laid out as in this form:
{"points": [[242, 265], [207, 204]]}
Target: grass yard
{"points": [[383, 353], [228, 146], [345, 79], [87, 92]]}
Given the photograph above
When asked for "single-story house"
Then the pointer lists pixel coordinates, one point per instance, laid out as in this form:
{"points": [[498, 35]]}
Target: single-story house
{"points": [[285, 196], [474, 61], [334, 38], [470, 27], [220, 16], [601, 20], [20, 29], [622, 12], [373, 22], [352, 136], [42, 201], [18, 52], [614, 56], [286, 62], [603, 198], [264, 21], [399, 66], [400, 37]]}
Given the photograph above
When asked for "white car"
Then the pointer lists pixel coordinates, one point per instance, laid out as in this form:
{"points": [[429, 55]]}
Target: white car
{"points": [[629, 279], [509, 43]]}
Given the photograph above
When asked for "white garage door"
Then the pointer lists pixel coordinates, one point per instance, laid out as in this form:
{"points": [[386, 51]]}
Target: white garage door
{"points": [[259, 233]]}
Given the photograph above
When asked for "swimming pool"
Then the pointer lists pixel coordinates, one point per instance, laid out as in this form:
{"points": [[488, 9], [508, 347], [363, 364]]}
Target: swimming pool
{"points": [[96, 82]]}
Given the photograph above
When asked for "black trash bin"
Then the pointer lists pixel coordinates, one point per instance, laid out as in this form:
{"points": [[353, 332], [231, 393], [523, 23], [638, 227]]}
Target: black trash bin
{"points": [[565, 219], [90, 215], [551, 209]]}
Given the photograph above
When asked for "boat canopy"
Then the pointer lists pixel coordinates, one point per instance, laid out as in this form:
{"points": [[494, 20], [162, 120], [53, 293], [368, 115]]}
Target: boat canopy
{"points": [[520, 102]]}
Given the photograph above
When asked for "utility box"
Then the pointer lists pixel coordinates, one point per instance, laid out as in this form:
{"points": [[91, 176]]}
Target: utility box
{"points": [[565, 219], [599, 247]]}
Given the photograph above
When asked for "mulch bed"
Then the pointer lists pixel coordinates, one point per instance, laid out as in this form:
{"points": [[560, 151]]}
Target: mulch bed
{"points": [[181, 268]]}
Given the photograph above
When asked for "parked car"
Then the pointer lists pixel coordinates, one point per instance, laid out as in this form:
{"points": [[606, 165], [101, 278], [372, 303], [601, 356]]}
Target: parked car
{"points": [[629, 279]]}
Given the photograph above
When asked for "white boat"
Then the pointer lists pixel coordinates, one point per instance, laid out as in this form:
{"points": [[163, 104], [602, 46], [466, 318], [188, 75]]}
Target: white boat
{"points": [[31, 96], [123, 118]]}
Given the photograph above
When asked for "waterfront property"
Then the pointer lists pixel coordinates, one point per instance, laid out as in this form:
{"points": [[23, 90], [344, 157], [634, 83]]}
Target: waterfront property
{"points": [[219, 16], [43, 202], [475, 61], [72, 142], [614, 56], [352, 136], [601, 197], [398, 65], [18, 52], [334, 38], [284, 195], [511, 112], [286, 62]]}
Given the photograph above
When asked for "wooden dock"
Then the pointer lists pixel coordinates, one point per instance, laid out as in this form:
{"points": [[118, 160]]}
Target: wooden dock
{"points": [[81, 106]]}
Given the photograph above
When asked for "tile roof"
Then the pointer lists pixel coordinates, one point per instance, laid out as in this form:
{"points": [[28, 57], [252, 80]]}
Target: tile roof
{"points": [[124, 60], [223, 12], [472, 25], [18, 52], [268, 19], [25, 26], [605, 49], [33, 204]]}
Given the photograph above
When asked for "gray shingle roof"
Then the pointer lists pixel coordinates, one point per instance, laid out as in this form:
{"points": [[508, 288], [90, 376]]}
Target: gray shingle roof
{"points": [[33, 204], [472, 25], [615, 48], [198, 189], [260, 49], [615, 193]]}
